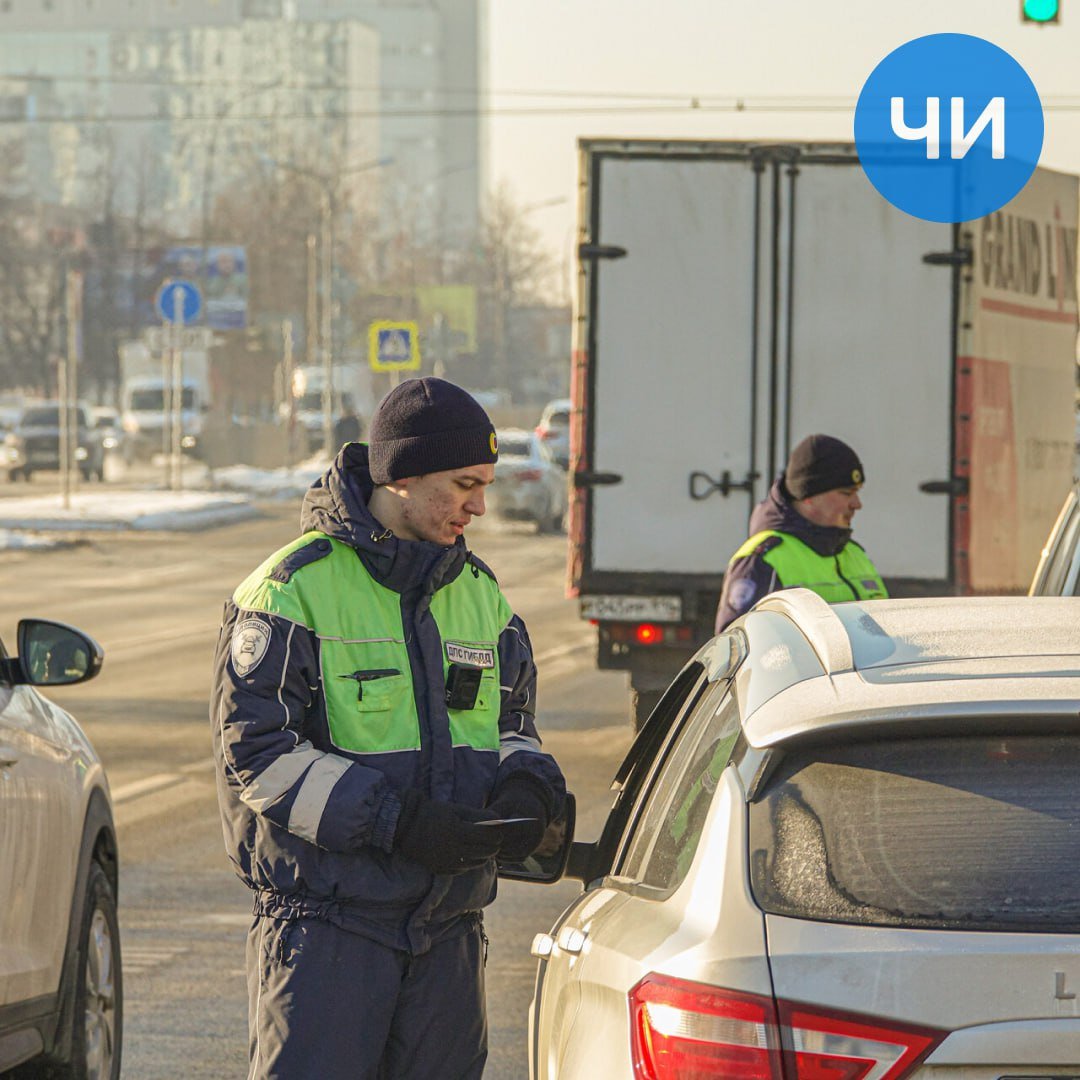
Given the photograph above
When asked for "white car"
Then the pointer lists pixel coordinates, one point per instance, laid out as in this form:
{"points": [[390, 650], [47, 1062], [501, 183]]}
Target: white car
{"points": [[1058, 572], [529, 485], [554, 429], [843, 845], [61, 1003]]}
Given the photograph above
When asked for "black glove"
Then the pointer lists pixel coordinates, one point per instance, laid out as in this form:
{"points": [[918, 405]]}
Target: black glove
{"points": [[443, 837], [521, 795]]}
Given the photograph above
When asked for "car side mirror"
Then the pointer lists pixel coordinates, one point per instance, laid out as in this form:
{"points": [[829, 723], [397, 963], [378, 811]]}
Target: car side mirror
{"points": [[53, 654], [547, 864]]}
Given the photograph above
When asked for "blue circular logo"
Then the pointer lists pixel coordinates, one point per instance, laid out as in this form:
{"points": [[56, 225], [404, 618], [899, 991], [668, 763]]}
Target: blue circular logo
{"points": [[949, 127]]}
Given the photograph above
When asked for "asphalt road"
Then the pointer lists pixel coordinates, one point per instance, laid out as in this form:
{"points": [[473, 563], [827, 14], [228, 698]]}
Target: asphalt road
{"points": [[154, 602]]}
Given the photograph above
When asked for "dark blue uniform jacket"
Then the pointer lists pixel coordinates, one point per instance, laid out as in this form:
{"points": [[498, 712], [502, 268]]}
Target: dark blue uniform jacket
{"points": [[270, 724]]}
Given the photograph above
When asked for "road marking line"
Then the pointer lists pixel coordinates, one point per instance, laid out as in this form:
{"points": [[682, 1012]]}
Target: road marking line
{"points": [[562, 650], [146, 786]]}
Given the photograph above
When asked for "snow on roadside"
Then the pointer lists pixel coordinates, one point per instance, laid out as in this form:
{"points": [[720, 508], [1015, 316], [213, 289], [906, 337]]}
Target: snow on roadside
{"points": [[110, 509], [10, 540], [271, 483], [209, 499]]}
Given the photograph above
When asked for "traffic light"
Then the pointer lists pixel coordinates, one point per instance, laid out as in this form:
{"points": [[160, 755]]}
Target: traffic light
{"points": [[1040, 11]]}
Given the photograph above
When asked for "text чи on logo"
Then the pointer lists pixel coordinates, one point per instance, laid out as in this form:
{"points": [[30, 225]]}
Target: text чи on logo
{"points": [[949, 127]]}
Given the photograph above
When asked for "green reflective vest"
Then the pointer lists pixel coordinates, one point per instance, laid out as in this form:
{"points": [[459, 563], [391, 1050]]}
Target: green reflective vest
{"points": [[849, 575], [363, 650]]}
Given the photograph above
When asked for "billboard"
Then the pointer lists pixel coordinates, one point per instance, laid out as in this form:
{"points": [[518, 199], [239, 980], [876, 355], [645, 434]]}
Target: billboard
{"points": [[121, 291], [221, 276]]}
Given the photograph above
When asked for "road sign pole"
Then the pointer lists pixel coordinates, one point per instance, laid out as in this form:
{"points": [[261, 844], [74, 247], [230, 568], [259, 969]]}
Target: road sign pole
{"points": [[178, 390], [166, 401], [65, 441], [288, 365]]}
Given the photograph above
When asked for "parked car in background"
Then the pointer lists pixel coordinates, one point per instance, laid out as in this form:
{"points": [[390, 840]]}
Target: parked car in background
{"points": [[61, 1000], [107, 421], [35, 442], [529, 485], [554, 430], [842, 845], [1058, 572]]}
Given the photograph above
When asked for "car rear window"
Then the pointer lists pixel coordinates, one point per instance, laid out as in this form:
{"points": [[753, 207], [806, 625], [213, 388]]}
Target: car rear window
{"points": [[965, 833], [560, 416]]}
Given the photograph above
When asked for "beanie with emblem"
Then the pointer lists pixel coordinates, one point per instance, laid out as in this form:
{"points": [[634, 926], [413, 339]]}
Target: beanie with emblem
{"points": [[425, 426], [821, 463]]}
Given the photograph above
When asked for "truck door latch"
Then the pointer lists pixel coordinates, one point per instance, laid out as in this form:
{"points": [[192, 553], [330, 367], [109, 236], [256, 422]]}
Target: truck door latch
{"points": [[595, 479], [961, 256], [702, 485], [958, 486], [600, 251]]}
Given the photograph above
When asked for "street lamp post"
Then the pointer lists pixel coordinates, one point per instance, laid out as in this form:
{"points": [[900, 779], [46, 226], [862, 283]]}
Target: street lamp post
{"points": [[326, 213], [327, 184], [220, 114]]}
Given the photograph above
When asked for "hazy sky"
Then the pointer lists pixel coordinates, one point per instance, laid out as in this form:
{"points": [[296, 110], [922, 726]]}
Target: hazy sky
{"points": [[582, 53]]}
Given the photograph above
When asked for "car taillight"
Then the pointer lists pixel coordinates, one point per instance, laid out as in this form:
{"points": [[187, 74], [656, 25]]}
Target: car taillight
{"points": [[545, 433], [682, 1029], [830, 1045], [685, 1029], [529, 476]]}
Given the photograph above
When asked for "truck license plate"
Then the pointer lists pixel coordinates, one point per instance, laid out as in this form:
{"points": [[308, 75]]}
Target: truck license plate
{"points": [[632, 608]]}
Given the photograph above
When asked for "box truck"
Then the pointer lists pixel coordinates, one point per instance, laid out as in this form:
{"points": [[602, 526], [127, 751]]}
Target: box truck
{"points": [[735, 297]]}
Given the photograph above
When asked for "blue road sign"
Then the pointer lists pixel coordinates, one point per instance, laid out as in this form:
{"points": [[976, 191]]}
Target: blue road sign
{"points": [[186, 293]]}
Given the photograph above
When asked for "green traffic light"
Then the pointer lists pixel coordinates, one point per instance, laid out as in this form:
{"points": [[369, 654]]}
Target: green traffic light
{"points": [[1041, 11]]}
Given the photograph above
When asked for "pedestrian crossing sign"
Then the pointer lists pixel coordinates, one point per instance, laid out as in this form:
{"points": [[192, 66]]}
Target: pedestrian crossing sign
{"points": [[394, 346]]}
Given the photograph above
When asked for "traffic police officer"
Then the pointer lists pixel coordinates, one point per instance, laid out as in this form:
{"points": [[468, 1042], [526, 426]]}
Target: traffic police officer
{"points": [[801, 534], [373, 703]]}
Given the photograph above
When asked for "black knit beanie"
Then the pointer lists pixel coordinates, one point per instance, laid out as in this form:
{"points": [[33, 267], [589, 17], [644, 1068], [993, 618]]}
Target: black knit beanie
{"points": [[821, 463], [425, 426]]}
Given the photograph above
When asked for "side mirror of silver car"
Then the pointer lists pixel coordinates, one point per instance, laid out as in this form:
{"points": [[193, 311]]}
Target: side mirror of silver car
{"points": [[547, 864], [52, 654]]}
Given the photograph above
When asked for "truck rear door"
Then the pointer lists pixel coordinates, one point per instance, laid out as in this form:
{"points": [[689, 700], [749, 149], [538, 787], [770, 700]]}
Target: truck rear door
{"points": [[670, 346], [871, 354]]}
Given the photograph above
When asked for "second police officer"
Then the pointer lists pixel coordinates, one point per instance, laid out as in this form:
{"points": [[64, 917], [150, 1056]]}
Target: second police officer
{"points": [[801, 534]]}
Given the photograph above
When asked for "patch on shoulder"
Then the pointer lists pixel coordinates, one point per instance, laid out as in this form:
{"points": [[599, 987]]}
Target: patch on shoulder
{"points": [[250, 640], [481, 656], [768, 544], [741, 593]]}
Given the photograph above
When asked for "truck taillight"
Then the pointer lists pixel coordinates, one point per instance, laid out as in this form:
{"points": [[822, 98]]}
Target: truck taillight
{"points": [[648, 633], [682, 1029]]}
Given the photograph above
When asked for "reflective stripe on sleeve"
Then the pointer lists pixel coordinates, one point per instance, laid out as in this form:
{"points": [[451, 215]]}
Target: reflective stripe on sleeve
{"points": [[279, 776], [512, 744], [307, 810]]}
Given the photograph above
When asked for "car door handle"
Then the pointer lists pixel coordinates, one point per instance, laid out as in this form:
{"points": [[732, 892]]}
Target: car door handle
{"points": [[572, 940]]}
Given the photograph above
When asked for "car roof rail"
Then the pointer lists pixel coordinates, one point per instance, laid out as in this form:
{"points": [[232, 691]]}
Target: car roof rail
{"points": [[819, 624]]}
